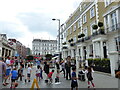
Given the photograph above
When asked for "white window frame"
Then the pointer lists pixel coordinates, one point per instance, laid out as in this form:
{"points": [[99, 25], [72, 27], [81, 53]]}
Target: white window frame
{"points": [[92, 12], [106, 3], [75, 27], [106, 21], [117, 41], [74, 39], [114, 18], [85, 31], [91, 29], [84, 18]]}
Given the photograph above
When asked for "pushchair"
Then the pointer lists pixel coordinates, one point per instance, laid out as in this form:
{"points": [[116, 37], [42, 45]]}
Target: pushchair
{"points": [[81, 75]]}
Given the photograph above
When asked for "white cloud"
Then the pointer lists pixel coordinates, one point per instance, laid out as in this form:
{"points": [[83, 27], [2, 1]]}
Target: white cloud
{"points": [[11, 9]]}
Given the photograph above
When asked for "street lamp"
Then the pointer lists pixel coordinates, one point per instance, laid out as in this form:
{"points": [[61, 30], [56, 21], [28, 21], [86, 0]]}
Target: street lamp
{"points": [[58, 35]]}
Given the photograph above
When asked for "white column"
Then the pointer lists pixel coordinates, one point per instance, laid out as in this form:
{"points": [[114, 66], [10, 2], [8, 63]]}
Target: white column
{"points": [[105, 25], [69, 53], [77, 61], [113, 62], [88, 51], [109, 22], [77, 58], [94, 50], [101, 49], [118, 15], [4, 52], [82, 53], [72, 53], [64, 54]]}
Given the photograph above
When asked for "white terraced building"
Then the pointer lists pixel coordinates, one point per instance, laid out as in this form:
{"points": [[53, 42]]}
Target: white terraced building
{"points": [[97, 43], [43, 47]]}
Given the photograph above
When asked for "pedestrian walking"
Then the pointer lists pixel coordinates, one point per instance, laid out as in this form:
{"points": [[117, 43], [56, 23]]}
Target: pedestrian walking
{"points": [[57, 77], [74, 83], [46, 68], [41, 71], [68, 68], [16, 62], [90, 77], [49, 77], [29, 70], [38, 62], [58, 66], [8, 70], [20, 73], [38, 73], [12, 62], [63, 67], [14, 75], [26, 63]]}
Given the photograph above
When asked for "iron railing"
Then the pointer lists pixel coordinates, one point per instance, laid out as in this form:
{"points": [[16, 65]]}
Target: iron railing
{"points": [[64, 47], [72, 44]]}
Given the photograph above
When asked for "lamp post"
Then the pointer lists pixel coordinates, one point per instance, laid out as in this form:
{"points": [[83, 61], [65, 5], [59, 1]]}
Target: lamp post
{"points": [[58, 35]]}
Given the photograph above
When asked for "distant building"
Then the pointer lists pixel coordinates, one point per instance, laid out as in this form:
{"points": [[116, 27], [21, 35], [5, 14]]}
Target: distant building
{"points": [[20, 49], [43, 47], [7, 48]]}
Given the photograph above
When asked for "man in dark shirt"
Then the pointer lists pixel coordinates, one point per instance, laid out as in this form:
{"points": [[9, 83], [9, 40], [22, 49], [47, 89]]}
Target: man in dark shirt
{"points": [[68, 68]]}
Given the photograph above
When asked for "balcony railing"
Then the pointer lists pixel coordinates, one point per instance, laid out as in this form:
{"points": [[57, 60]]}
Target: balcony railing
{"points": [[113, 28], [72, 44], [64, 47], [87, 38], [99, 32], [81, 40]]}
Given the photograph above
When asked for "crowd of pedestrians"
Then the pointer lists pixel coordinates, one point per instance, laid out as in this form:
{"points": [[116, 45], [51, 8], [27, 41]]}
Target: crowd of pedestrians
{"points": [[13, 69], [66, 68]]}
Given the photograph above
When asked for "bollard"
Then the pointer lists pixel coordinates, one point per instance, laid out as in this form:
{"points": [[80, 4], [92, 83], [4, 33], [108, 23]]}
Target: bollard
{"points": [[33, 84]]}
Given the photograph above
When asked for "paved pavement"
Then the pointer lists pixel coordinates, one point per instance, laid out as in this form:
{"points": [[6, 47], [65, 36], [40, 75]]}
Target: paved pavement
{"points": [[100, 80]]}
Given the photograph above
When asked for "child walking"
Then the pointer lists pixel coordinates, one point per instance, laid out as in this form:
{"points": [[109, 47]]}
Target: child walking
{"points": [[50, 76], [14, 75], [74, 83], [38, 73], [29, 72], [41, 70], [63, 68], [57, 77], [20, 73], [90, 77]]}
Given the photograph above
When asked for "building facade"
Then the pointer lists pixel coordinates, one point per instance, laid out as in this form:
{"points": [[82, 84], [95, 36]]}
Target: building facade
{"points": [[20, 49], [43, 47], [7, 48], [83, 42]]}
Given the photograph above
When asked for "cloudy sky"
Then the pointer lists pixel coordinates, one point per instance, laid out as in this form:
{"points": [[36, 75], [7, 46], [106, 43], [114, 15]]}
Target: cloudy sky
{"points": [[28, 19]]}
